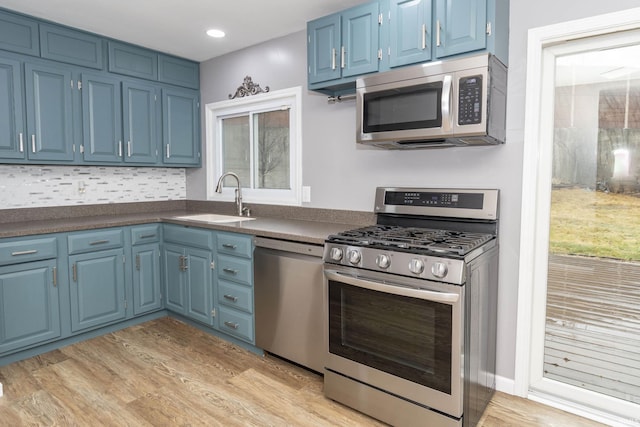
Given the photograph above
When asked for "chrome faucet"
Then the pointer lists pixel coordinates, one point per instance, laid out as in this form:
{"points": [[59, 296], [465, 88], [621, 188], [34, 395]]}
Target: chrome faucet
{"points": [[242, 211]]}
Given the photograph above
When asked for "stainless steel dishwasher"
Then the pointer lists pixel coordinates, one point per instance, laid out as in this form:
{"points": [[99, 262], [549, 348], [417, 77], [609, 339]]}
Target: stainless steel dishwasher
{"points": [[289, 288]]}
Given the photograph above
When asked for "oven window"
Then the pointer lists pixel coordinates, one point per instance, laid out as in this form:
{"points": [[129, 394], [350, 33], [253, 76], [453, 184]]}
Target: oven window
{"points": [[415, 107], [406, 337]]}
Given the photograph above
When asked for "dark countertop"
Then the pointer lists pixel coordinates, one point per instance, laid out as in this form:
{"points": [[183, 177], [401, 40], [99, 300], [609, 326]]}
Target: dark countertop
{"points": [[300, 230]]}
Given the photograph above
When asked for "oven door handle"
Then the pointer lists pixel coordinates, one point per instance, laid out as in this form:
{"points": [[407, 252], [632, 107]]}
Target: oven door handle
{"points": [[374, 285]]}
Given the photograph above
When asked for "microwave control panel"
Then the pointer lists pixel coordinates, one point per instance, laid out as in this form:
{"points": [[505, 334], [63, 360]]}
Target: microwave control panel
{"points": [[470, 100]]}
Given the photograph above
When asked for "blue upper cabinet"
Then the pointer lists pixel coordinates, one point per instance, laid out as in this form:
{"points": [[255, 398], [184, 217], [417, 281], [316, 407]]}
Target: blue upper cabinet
{"points": [[344, 44], [71, 46], [49, 112], [409, 32], [460, 26], [133, 61], [140, 116], [179, 72], [180, 127], [101, 118], [12, 138], [19, 34]]}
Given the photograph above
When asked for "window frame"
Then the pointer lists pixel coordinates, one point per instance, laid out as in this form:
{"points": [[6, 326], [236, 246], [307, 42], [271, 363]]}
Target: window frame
{"points": [[216, 111]]}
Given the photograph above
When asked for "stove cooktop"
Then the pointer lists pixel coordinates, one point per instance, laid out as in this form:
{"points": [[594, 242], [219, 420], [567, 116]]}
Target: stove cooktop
{"points": [[416, 240]]}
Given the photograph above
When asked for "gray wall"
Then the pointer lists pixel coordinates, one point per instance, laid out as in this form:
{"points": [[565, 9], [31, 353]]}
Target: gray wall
{"points": [[343, 176]]}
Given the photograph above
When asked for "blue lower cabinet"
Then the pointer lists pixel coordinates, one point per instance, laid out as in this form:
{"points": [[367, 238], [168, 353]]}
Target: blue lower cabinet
{"points": [[147, 295], [29, 305], [97, 289]]}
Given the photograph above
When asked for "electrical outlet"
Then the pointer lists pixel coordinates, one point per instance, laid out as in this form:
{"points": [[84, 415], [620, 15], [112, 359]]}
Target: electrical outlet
{"points": [[81, 187], [306, 194]]}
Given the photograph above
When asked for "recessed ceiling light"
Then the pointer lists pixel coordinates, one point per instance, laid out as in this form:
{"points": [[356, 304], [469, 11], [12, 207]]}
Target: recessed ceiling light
{"points": [[215, 33]]}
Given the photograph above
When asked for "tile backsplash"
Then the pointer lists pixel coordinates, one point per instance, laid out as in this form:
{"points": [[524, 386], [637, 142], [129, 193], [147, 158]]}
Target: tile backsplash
{"points": [[26, 186]]}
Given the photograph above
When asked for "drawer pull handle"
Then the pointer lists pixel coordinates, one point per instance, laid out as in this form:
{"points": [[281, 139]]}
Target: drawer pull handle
{"points": [[230, 271], [98, 242], [231, 325], [229, 246], [29, 252], [147, 236], [231, 298]]}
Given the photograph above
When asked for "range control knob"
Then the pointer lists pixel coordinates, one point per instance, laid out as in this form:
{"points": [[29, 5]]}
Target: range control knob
{"points": [[336, 254], [439, 270], [354, 256], [383, 261], [416, 266]]}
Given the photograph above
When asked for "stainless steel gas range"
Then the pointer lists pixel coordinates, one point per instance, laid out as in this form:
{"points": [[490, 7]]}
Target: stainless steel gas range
{"points": [[412, 308]]}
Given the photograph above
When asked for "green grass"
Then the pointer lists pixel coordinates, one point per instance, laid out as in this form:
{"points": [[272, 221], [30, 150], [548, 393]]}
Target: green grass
{"points": [[594, 223]]}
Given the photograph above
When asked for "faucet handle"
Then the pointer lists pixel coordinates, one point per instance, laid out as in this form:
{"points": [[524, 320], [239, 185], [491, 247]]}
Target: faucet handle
{"points": [[246, 211]]}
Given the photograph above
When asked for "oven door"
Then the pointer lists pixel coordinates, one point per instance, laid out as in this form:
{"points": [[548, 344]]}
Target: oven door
{"points": [[400, 335]]}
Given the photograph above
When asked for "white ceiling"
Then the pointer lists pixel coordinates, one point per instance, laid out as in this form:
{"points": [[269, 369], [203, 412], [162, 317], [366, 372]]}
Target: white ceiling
{"points": [[178, 27]]}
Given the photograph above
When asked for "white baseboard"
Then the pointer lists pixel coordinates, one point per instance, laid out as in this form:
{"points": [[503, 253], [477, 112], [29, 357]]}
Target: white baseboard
{"points": [[505, 385]]}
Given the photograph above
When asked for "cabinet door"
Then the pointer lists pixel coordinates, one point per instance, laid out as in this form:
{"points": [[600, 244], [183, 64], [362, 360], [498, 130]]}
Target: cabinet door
{"points": [[180, 127], [174, 278], [460, 26], [146, 278], [97, 288], [140, 121], [199, 285], [409, 31], [101, 119], [49, 112], [359, 53], [323, 48], [11, 113], [29, 307]]}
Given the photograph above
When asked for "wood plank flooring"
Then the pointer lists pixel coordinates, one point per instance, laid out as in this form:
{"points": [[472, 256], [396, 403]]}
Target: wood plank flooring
{"points": [[167, 373]]}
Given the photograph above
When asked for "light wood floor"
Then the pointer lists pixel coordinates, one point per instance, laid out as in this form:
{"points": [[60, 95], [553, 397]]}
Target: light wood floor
{"points": [[166, 373]]}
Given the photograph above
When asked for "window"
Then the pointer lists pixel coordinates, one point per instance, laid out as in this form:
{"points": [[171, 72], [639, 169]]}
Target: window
{"points": [[259, 139]]}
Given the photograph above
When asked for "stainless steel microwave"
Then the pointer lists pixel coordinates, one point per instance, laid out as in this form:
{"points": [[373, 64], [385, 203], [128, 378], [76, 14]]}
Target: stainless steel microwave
{"points": [[457, 102]]}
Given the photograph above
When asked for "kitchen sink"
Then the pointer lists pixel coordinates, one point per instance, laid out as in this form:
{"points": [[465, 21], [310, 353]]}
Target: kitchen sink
{"points": [[215, 218]]}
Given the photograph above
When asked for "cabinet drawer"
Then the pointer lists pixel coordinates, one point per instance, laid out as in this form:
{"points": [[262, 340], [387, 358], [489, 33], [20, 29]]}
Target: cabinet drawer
{"points": [[145, 234], [235, 269], [236, 323], [70, 46], [237, 296], [95, 241], [193, 237], [234, 244], [178, 71], [16, 252], [19, 34], [133, 61]]}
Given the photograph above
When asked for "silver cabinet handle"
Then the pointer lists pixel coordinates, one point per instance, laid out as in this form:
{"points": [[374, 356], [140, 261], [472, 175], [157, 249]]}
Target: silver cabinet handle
{"points": [[230, 271], [74, 271], [98, 242], [231, 298], [55, 276], [342, 56], [438, 32], [333, 58], [119, 148], [29, 252], [138, 262], [424, 36], [232, 325], [33, 143], [128, 148], [229, 246], [21, 142], [168, 151]]}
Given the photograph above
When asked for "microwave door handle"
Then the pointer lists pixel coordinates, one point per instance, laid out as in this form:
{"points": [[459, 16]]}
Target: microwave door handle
{"points": [[447, 102], [440, 297]]}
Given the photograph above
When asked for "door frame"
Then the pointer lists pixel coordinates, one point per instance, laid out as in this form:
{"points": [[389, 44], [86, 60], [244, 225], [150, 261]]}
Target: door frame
{"points": [[544, 44]]}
